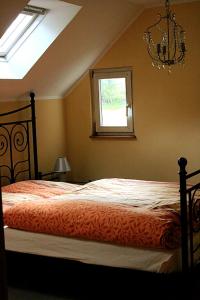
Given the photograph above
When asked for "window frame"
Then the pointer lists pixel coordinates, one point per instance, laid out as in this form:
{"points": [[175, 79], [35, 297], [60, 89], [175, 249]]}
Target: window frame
{"points": [[111, 131], [37, 14]]}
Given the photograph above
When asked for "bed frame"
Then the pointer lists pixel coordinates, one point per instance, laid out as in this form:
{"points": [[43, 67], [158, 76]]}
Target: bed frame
{"points": [[190, 214], [20, 136], [15, 141]]}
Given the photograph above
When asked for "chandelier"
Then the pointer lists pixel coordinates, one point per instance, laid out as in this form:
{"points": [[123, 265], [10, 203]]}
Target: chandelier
{"points": [[166, 40]]}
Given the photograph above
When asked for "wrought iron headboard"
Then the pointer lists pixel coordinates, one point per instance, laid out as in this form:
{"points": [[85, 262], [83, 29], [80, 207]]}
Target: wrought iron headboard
{"points": [[18, 145]]}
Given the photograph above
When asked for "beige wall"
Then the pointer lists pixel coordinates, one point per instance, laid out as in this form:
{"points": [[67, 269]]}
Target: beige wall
{"points": [[50, 130], [167, 110]]}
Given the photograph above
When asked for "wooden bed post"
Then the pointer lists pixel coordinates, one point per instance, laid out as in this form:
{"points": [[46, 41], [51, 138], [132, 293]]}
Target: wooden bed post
{"points": [[184, 218], [32, 95]]}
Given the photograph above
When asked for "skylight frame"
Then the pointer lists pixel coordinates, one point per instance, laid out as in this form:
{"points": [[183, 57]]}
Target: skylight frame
{"points": [[59, 15], [37, 14]]}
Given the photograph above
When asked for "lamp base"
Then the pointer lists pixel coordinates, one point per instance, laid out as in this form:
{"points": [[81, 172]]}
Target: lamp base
{"points": [[62, 177]]}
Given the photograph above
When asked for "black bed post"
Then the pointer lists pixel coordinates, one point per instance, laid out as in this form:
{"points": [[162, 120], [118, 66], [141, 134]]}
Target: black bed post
{"points": [[3, 275], [32, 95], [184, 219]]}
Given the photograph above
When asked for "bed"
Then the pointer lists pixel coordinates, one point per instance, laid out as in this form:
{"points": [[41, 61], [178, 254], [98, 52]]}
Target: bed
{"points": [[115, 222]]}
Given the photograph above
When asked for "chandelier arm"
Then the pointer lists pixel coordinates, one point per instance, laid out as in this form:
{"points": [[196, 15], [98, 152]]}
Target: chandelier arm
{"points": [[182, 51], [155, 24], [152, 57], [182, 32], [163, 61], [180, 27], [175, 41], [181, 56], [168, 37], [175, 44], [156, 59]]}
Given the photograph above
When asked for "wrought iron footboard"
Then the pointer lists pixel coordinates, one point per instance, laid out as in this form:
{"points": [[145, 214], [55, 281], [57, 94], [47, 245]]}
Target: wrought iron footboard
{"points": [[190, 215]]}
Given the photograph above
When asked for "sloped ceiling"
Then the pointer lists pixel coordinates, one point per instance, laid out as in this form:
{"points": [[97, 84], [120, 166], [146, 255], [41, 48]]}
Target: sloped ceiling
{"points": [[95, 27]]}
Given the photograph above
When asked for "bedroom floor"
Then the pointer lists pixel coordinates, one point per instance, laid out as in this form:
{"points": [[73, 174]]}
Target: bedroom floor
{"points": [[39, 279], [15, 293], [19, 293], [23, 294]]}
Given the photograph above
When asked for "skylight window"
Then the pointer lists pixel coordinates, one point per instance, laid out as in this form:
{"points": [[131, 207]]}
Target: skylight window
{"points": [[19, 30], [33, 31]]}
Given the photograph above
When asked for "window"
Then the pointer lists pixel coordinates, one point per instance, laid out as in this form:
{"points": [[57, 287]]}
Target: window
{"points": [[19, 29], [112, 109], [32, 32]]}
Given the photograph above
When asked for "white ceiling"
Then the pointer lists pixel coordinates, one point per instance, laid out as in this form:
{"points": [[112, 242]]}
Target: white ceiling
{"points": [[76, 49]]}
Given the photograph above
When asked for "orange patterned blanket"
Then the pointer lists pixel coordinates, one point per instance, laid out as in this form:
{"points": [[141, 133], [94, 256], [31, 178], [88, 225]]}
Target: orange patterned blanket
{"points": [[42, 188], [109, 210]]}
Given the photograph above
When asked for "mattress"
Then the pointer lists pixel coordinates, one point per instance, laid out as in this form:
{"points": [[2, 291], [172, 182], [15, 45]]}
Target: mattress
{"points": [[91, 252]]}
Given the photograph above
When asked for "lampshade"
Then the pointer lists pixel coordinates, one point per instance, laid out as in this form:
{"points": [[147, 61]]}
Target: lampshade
{"points": [[62, 165]]}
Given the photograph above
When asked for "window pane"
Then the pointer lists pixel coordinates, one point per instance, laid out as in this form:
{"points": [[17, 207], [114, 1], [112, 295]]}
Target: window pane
{"points": [[113, 106], [15, 31]]}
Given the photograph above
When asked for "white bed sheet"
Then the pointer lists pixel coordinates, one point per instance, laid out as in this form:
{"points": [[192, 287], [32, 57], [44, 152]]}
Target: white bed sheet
{"points": [[91, 252]]}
